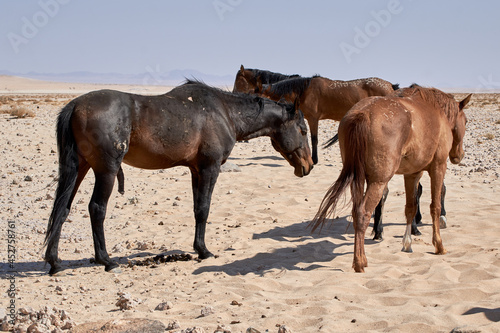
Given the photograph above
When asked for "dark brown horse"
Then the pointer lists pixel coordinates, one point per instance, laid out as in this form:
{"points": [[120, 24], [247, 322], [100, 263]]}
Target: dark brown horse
{"points": [[193, 125], [322, 98], [413, 131], [248, 79]]}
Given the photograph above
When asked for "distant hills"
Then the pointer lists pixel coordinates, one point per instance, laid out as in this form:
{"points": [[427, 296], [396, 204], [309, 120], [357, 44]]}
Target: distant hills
{"points": [[151, 77]]}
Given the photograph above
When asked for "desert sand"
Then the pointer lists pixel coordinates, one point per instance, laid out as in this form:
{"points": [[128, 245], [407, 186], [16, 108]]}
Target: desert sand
{"points": [[270, 270]]}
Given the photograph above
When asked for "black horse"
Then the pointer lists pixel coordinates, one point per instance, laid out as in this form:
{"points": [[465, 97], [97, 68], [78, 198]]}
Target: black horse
{"points": [[193, 125]]}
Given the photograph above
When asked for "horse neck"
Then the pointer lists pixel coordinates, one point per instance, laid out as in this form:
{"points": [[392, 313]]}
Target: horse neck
{"points": [[255, 121], [269, 93]]}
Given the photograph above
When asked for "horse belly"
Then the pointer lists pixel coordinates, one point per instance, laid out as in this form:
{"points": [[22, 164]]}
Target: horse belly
{"points": [[159, 154]]}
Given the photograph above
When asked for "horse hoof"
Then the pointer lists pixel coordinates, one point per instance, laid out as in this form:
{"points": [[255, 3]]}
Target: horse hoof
{"points": [[416, 233], [407, 249], [442, 222], [58, 273], [116, 270]]}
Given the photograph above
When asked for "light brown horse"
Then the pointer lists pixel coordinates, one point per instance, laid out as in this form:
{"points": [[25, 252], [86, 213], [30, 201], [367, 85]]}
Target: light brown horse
{"points": [[322, 98], [413, 131]]}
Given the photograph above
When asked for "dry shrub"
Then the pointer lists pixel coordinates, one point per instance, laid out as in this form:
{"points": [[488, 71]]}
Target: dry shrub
{"points": [[489, 136], [22, 112]]}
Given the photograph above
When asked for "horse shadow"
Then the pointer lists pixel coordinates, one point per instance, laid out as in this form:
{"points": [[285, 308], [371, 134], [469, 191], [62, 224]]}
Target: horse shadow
{"points": [[258, 159], [314, 250], [491, 314], [40, 268]]}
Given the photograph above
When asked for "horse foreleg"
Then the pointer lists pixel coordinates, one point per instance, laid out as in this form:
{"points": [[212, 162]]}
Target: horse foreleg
{"points": [[203, 183], [411, 183], [97, 209], [313, 126], [378, 227], [442, 218], [437, 177], [418, 216]]}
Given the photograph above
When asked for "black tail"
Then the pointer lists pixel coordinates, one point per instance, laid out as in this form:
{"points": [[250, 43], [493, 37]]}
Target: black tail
{"points": [[332, 141], [68, 171]]}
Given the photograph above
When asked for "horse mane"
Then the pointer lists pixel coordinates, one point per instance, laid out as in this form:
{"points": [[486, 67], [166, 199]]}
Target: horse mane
{"points": [[443, 101], [294, 85], [267, 77], [261, 101]]}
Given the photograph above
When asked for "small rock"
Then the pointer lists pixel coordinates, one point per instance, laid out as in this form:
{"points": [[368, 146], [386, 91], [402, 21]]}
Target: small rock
{"points": [[28, 179], [206, 311], [252, 330], [125, 302], [164, 306], [284, 329], [173, 325], [222, 329]]}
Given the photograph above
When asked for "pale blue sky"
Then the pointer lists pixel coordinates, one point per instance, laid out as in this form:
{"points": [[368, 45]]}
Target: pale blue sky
{"points": [[439, 43]]}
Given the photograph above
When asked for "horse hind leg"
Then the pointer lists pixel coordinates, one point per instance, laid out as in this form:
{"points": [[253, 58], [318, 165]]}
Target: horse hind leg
{"points": [[51, 254], [97, 208], [361, 217]]}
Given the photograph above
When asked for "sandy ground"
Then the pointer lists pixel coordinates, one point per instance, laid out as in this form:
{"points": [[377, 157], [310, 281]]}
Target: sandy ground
{"points": [[270, 270]]}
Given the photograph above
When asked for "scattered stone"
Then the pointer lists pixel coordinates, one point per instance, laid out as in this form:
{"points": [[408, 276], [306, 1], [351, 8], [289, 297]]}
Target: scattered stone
{"points": [[173, 325], [133, 200], [252, 330], [194, 330], [28, 178], [164, 306], [45, 320], [135, 325], [125, 302], [207, 311], [223, 329], [284, 329]]}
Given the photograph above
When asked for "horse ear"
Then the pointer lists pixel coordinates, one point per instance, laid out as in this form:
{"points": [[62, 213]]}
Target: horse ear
{"points": [[465, 101], [242, 69]]}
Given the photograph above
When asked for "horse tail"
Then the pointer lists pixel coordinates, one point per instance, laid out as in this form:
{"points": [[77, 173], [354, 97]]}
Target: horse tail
{"points": [[354, 147], [395, 86], [331, 142], [68, 171]]}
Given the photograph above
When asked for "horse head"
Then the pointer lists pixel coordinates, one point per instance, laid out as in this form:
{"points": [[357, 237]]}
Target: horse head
{"points": [[290, 140], [457, 148], [245, 81]]}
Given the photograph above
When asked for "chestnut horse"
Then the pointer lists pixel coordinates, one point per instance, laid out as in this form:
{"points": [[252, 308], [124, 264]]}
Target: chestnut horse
{"points": [[193, 125], [412, 131], [322, 98], [248, 79]]}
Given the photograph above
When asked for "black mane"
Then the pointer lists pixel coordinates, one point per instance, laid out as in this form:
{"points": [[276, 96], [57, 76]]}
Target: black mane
{"points": [[295, 85], [268, 77]]}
